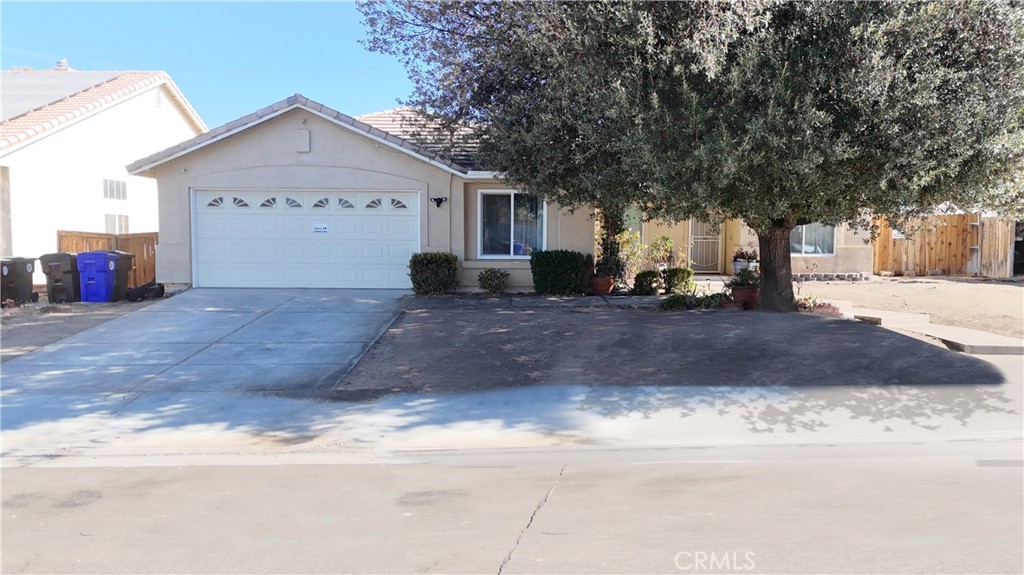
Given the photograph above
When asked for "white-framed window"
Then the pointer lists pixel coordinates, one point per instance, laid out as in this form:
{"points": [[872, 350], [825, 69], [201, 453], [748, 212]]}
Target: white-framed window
{"points": [[510, 224], [813, 240], [116, 224], [115, 190]]}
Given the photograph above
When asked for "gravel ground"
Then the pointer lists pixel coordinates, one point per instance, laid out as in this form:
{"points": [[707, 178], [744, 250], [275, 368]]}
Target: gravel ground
{"points": [[994, 306]]}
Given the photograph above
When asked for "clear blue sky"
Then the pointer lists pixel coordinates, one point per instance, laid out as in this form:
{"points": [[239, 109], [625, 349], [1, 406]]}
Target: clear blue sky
{"points": [[228, 58]]}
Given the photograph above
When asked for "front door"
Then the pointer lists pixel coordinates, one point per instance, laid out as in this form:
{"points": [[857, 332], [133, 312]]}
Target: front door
{"points": [[705, 247]]}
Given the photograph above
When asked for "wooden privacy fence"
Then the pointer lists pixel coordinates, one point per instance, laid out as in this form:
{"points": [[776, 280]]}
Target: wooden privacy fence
{"points": [[961, 244], [142, 246]]}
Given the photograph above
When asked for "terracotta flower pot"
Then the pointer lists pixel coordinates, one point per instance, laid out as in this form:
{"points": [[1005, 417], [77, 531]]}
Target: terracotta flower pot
{"points": [[750, 297], [600, 285]]}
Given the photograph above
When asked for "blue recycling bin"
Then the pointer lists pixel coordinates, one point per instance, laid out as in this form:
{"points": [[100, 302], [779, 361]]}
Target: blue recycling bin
{"points": [[98, 273]]}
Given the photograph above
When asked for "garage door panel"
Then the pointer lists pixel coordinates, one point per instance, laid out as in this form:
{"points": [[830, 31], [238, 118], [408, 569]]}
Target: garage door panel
{"points": [[400, 252], [265, 225], [403, 228], [305, 239], [372, 228], [321, 251]]}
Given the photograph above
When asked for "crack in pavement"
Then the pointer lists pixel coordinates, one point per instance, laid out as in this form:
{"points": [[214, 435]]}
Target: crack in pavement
{"points": [[533, 515]]}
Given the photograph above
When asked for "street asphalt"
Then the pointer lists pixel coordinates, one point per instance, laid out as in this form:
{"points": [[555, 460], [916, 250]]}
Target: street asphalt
{"points": [[838, 515]]}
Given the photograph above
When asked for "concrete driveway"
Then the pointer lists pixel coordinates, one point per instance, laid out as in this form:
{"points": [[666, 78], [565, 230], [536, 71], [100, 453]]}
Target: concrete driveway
{"points": [[194, 345], [266, 340]]}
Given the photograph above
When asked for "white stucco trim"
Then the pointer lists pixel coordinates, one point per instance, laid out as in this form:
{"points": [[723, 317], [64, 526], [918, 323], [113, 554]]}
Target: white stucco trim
{"points": [[192, 232], [482, 175]]}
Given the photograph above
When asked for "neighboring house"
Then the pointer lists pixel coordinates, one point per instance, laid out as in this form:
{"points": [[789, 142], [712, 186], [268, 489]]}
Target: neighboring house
{"points": [[300, 195], [65, 138]]}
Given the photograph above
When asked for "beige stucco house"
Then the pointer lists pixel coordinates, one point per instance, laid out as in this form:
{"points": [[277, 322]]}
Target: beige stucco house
{"points": [[300, 195], [65, 137]]}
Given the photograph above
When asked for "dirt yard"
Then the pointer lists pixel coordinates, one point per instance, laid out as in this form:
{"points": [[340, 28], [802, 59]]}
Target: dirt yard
{"points": [[28, 327], [985, 305]]}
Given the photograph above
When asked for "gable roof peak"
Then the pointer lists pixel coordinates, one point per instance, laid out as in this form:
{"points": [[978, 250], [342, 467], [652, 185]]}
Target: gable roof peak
{"points": [[40, 102], [145, 165]]}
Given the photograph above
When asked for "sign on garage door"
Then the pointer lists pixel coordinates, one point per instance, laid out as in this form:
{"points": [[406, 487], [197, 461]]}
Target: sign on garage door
{"points": [[301, 238]]}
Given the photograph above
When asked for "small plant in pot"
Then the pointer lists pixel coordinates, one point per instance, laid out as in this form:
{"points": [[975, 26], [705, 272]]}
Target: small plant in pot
{"points": [[744, 260], [746, 288]]}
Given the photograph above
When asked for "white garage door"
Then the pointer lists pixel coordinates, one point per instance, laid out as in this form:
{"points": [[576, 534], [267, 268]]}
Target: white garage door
{"points": [[305, 238]]}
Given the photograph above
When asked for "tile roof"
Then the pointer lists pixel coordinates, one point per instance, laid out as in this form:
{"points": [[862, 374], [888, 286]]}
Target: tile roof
{"points": [[26, 90], [412, 125], [298, 100], [22, 127]]}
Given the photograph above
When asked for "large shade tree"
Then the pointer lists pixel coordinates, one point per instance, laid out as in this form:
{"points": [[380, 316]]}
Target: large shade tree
{"points": [[777, 113]]}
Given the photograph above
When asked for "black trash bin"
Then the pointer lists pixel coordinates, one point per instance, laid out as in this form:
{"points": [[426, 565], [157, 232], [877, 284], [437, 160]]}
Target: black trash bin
{"points": [[16, 280], [63, 283], [124, 264]]}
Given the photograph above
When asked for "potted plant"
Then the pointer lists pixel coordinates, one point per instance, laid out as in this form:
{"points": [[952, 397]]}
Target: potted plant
{"points": [[727, 302], [608, 268], [739, 261], [746, 288], [744, 260]]}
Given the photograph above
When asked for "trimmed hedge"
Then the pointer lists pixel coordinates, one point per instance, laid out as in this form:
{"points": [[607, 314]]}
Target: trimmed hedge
{"points": [[678, 280], [434, 272], [560, 272], [646, 283], [493, 280]]}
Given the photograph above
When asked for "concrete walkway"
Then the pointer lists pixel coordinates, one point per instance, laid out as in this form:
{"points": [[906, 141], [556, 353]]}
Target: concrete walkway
{"points": [[956, 338]]}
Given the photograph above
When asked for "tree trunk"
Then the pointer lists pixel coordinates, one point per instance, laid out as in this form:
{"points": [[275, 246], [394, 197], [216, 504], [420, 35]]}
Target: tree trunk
{"points": [[776, 269]]}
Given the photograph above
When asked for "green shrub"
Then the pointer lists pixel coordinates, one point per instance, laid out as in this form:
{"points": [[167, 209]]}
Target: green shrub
{"points": [[660, 250], [677, 302], [646, 283], [745, 278], [433, 272], [560, 272], [493, 280], [691, 301], [678, 280]]}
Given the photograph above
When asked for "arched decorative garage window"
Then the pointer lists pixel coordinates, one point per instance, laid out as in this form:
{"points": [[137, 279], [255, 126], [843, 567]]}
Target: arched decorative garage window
{"points": [[292, 203], [215, 203], [322, 203], [398, 204], [345, 204], [269, 203], [374, 203], [240, 203]]}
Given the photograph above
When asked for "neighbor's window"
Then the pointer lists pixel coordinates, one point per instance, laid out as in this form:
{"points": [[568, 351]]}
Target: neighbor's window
{"points": [[813, 239], [511, 224], [116, 224], [115, 190]]}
